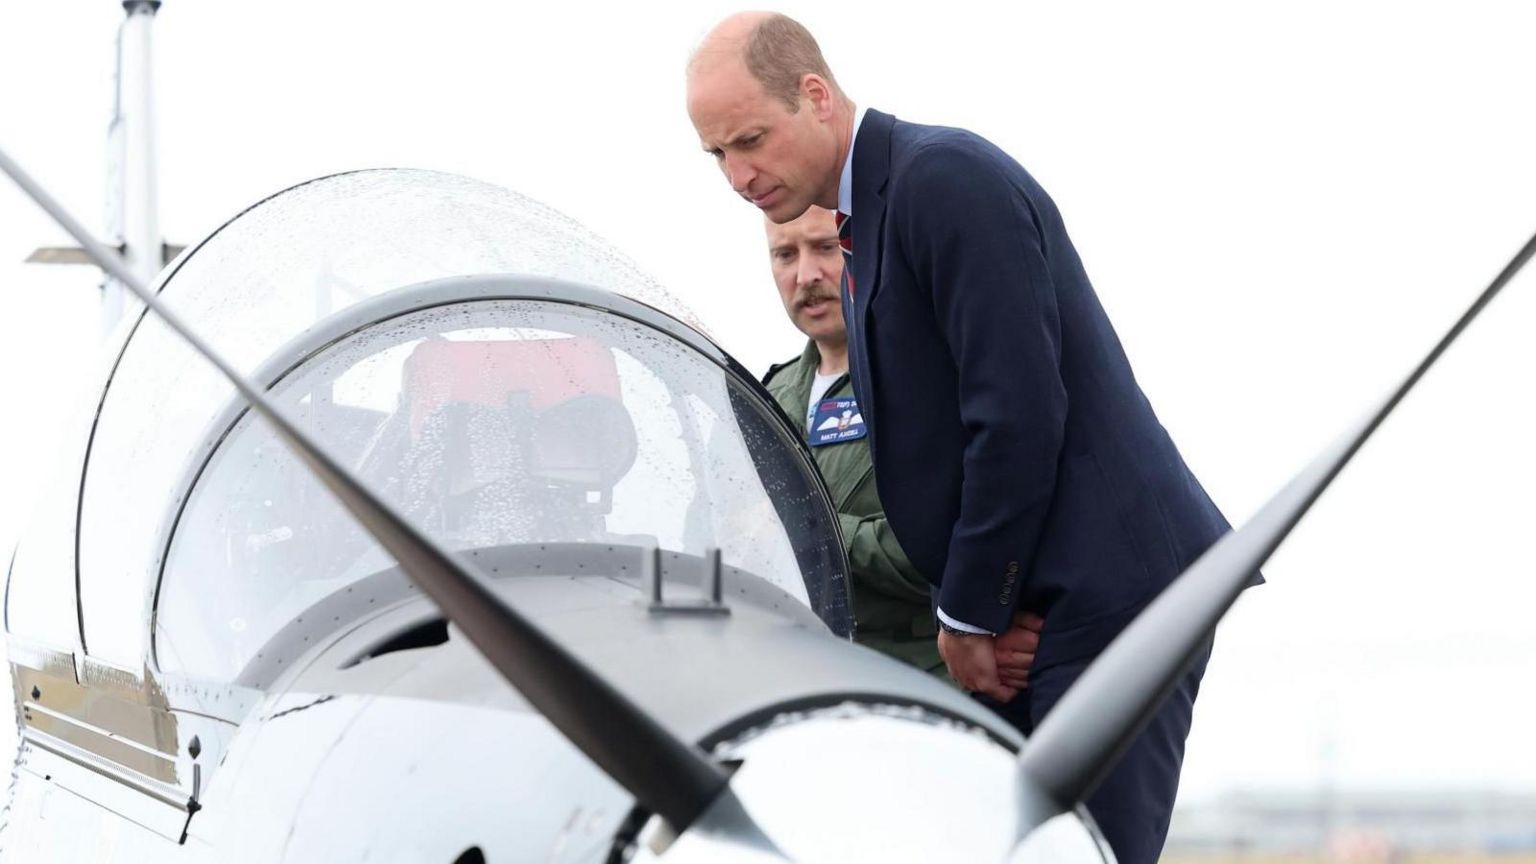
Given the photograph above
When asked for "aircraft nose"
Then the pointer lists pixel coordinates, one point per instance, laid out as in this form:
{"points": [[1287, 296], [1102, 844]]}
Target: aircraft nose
{"points": [[825, 788]]}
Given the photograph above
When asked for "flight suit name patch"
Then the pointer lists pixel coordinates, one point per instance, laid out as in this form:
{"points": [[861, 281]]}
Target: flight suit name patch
{"points": [[835, 421]]}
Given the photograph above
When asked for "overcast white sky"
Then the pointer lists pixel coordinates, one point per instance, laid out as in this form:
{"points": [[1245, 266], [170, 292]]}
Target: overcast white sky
{"points": [[1282, 205]]}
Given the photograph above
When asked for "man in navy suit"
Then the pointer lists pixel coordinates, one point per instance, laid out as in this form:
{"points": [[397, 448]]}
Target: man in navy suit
{"points": [[1021, 467]]}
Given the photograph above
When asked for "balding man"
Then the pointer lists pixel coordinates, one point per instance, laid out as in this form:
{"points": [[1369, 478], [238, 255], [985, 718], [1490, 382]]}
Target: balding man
{"points": [[1019, 463]]}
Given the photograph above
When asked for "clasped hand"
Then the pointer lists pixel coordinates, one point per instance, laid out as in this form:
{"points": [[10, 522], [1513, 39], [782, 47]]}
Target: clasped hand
{"points": [[997, 666]]}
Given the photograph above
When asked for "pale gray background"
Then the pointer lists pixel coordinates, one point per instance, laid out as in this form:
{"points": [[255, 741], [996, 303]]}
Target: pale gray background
{"points": [[1281, 205]]}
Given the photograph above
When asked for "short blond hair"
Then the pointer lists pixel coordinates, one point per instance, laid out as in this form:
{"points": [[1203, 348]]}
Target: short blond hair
{"points": [[779, 53]]}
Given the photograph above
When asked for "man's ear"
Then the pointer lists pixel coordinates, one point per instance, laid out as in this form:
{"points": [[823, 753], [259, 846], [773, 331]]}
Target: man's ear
{"points": [[819, 93]]}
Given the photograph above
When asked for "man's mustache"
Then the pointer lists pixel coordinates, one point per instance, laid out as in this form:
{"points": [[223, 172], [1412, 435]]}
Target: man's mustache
{"points": [[815, 292]]}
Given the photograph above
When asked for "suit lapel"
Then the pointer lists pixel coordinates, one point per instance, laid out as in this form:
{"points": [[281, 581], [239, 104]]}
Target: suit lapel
{"points": [[871, 171]]}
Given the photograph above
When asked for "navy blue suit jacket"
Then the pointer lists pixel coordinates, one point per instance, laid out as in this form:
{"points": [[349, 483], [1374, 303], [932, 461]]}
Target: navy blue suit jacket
{"points": [[1019, 462]]}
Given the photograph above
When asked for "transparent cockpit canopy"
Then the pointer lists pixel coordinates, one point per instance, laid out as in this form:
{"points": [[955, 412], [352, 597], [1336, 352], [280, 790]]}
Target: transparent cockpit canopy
{"points": [[492, 424], [258, 283]]}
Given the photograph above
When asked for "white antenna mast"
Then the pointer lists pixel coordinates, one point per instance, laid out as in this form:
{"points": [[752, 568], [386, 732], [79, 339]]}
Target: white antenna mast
{"points": [[132, 198], [132, 204]]}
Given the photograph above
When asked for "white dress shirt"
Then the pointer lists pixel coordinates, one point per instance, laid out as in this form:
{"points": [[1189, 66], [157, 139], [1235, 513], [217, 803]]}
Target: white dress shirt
{"points": [[845, 183]]}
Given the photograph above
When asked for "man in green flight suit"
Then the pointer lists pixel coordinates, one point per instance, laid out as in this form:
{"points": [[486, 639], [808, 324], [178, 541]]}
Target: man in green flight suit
{"points": [[890, 598]]}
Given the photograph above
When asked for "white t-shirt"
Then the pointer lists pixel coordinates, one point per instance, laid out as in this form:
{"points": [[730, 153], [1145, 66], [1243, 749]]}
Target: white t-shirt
{"points": [[819, 388]]}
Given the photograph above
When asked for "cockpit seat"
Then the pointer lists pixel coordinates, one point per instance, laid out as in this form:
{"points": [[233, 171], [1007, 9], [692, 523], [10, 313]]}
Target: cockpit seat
{"points": [[511, 431]]}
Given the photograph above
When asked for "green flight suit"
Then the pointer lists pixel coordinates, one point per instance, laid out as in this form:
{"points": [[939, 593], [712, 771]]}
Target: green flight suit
{"points": [[891, 609]]}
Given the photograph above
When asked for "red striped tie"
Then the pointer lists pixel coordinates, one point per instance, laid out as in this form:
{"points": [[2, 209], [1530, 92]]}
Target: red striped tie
{"points": [[845, 240]]}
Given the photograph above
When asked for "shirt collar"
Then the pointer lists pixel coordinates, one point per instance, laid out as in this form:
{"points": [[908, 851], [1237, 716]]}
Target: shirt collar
{"points": [[845, 183]]}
